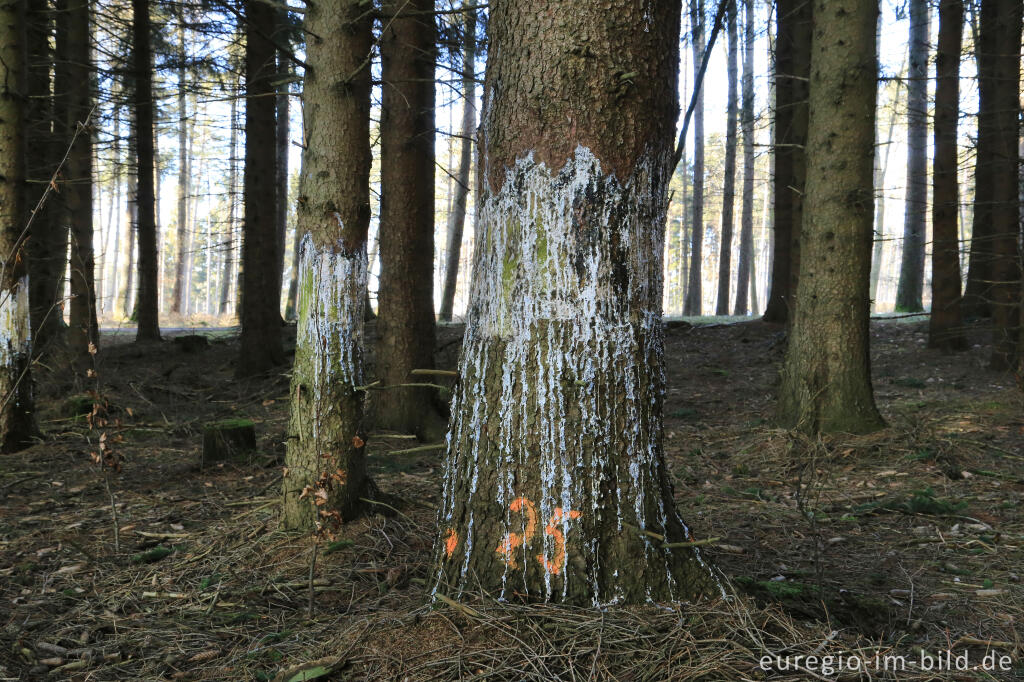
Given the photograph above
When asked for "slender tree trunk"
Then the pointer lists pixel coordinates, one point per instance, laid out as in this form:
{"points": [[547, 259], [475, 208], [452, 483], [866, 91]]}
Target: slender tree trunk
{"points": [[292, 303], [457, 217], [792, 71], [881, 166], [406, 300], [17, 420], [555, 484], [83, 329], [132, 220], [729, 186], [229, 245], [261, 347], [911, 282], [115, 221], [147, 303], [747, 122], [826, 378], [47, 248], [178, 296], [945, 329], [284, 72], [694, 293], [327, 433], [1001, 22]]}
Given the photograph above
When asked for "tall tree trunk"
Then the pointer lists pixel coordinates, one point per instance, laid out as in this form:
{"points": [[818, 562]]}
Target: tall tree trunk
{"points": [[147, 302], [406, 299], [911, 282], [945, 328], [47, 248], [115, 221], [17, 420], [284, 72], [457, 217], [229, 245], [694, 293], [729, 186], [327, 432], [826, 378], [292, 302], [881, 166], [555, 483], [184, 178], [792, 72], [261, 347], [1001, 42], [132, 219], [743, 280], [83, 329]]}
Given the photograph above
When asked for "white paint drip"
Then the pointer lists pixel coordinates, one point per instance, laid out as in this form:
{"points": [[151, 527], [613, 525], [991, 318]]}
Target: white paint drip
{"points": [[15, 331], [568, 280]]}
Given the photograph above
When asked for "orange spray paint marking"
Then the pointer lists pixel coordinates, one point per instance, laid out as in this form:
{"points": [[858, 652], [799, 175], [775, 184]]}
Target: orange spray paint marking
{"points": [[451, 540], [513, 541], [555, 566]]}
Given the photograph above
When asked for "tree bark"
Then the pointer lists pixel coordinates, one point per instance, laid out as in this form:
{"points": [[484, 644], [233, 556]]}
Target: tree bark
{"points": [[406, 299], [47, 248], [694, 294], [457, 217], [945, 327], [83, 329], [326, 466], [261, 347], [792, 70], [743, 279], [826, 378], [147, 302], [729, 185], [178, 297], [555, 484], [281, 163], [911, 282], [229, 246], [1001, 22], [17, 420]]}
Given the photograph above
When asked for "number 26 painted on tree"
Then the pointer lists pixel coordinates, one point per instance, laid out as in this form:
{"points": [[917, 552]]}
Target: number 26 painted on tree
{"points": [[513, 541]]}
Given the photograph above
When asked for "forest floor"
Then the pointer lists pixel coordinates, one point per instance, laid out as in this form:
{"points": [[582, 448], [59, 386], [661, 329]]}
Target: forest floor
{"points": [[904, 543]]}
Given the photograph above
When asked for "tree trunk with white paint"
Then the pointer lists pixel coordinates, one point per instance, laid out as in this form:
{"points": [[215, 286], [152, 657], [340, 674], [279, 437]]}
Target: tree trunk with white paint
{"points": [[17, 423], [555, 484], [326, 470]]}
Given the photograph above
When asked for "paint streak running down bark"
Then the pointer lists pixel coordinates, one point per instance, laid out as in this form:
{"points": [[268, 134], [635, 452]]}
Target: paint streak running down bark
{"points": [[554, 461]]}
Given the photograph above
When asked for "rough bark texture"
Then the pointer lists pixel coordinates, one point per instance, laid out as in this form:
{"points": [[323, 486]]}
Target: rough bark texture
{"points": [[1001, 33], [457, 218], [47, 248], [945, 327], [406, 298], [792, 70], [826, 379], [911, 282], [729, 186], [743, 270], [147, 302], [694, 290], [555, 486], [326, 445], [17, 421], [179, 296], [82, 328], [260, 341]]}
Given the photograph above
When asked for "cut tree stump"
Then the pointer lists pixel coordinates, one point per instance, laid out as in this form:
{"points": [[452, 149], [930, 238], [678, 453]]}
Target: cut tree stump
{"points": [[227, 440]]}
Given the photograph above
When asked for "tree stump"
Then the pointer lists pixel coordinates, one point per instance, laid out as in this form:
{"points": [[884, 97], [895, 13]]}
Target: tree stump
{"points": [[227, 440]]}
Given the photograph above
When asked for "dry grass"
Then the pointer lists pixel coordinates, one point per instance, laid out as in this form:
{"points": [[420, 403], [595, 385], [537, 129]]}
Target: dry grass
{"points": [[828, 548]]}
